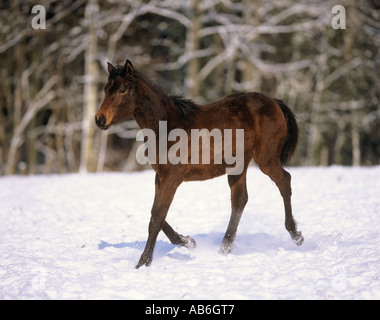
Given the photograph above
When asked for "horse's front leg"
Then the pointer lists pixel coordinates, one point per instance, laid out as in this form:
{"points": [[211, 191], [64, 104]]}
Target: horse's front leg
{"points": [[165, 190]]}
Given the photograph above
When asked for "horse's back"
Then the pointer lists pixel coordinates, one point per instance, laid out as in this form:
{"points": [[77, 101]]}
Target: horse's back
{"points": [[237, 110]]}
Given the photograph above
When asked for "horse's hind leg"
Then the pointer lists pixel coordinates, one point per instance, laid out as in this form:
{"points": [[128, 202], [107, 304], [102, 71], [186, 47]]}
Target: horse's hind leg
{"points": [[282, 179], [176, 238], [239, 198]]}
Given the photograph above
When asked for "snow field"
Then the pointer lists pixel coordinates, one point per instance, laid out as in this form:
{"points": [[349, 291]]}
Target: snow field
{"points": [[80, 236]]}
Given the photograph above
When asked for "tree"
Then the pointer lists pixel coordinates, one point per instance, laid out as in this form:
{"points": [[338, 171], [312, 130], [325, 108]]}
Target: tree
{"points": [[87, 161], [52, 78]]}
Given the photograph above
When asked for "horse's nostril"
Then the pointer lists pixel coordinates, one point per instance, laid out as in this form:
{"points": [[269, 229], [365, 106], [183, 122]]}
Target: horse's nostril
{"points": [[101, 121]]}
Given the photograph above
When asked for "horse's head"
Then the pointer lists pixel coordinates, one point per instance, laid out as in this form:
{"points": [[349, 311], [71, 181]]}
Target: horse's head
{"points": [[118, 102]]}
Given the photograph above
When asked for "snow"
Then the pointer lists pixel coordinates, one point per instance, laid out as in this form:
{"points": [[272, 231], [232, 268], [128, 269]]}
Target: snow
{"points": [[80, 236]]}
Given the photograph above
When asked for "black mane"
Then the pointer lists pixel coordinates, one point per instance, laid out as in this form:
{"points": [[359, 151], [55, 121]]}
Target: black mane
{"points": [[118, 71], [186, 107]]}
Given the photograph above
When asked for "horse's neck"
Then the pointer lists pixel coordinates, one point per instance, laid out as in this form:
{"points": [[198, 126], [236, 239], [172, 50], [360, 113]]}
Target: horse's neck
{"points": [[152, 106]]}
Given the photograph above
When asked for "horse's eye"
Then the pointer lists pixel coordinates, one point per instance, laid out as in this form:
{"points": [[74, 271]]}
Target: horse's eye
{"points": [[122, 90]]}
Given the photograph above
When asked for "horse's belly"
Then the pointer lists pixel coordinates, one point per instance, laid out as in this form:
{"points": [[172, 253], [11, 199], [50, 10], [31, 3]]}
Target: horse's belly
{"points": [[197, 172]]}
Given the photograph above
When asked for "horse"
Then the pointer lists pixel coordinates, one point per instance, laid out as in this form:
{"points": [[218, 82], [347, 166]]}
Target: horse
{"points": [[270, 139]]}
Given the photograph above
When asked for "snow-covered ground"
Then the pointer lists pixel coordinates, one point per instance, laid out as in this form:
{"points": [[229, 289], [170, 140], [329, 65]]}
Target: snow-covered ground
{"points": [[80, 236]]}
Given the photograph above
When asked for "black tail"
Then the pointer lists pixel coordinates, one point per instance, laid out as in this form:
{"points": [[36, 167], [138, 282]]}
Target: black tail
{"points": [[292, 134]]}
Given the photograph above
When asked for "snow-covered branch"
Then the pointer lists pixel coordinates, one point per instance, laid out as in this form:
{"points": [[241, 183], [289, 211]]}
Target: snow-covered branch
{"points": [[45, 96]]}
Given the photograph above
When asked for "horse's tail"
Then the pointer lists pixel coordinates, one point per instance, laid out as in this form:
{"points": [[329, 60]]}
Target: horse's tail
{"points": [[292, 133]]}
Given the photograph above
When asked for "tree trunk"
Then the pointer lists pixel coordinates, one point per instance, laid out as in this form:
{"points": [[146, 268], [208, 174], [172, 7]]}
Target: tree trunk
{"points": [[87, 161], [314, 135], [192, 46], [251, 75]]}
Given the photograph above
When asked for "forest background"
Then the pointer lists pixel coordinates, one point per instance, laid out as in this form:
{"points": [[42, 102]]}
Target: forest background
{"points": [[52, 78]]}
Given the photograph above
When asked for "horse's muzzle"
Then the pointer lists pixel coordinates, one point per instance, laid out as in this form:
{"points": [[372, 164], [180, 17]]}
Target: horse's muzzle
{"points": [[101, 122]]}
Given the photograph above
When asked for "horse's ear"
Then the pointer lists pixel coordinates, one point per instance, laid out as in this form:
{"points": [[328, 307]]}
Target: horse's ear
{"points": [[128, 67], [110, 67]]}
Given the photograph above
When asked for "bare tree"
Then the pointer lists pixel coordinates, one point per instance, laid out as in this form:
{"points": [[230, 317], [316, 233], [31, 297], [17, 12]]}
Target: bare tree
{"points": [[87, 161], [52, 79], [45, 96]]}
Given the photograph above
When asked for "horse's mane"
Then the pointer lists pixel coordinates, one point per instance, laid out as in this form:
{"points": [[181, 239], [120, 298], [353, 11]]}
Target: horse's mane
{"points": [[117, 71], [186, 107]]}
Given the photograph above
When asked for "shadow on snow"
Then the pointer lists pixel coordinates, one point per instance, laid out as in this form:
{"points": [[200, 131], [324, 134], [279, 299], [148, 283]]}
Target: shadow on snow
{"points": [[244, 244]]}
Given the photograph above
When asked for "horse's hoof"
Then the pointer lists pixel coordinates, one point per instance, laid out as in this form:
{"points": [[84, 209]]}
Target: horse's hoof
{"points": [[225, 248], [188, 242], [144, 260], [297, 237]]}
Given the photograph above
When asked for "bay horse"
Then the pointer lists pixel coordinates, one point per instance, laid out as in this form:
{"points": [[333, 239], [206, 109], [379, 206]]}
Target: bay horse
{"points": [[270, 138]]}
